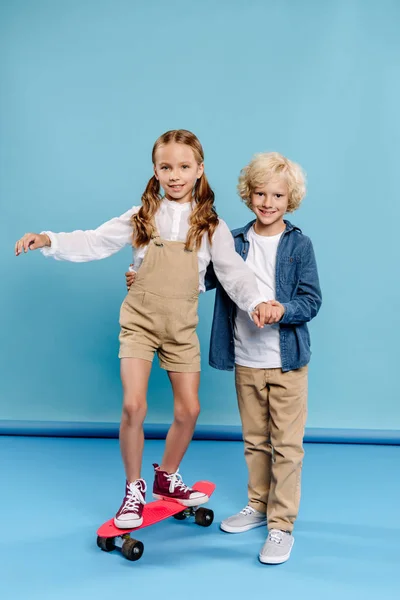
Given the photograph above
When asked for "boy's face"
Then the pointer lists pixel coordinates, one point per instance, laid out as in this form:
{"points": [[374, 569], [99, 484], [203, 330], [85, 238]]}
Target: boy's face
{"points": [[269, 203]]}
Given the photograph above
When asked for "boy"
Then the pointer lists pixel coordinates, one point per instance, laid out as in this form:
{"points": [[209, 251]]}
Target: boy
{"points": [[270, 363]]}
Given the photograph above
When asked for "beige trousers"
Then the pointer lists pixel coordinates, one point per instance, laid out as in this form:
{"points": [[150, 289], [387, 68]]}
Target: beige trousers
{"points": [[273, 410]]}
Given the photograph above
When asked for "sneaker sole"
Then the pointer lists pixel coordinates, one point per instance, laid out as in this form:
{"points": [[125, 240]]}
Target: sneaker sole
{"points": [[128, 524], [187, 503], [243, 528]]}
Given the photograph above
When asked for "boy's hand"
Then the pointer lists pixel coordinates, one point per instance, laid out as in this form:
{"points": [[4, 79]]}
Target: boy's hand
{"points": [[31, 241], [130, 277], [277, 311], [267, 313]]}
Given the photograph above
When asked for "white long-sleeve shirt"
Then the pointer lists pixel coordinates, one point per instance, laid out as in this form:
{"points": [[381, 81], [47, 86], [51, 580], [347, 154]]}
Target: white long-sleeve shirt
{"points": [[172, 222]]}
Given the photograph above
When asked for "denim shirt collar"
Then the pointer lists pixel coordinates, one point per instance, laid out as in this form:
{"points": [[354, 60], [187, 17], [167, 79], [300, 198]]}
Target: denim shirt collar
{"points": [[243, 231]]}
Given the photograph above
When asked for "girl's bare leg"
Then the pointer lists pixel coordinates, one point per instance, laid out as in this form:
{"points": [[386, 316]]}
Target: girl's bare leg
{"points": [[186, 411], [135, 374]]}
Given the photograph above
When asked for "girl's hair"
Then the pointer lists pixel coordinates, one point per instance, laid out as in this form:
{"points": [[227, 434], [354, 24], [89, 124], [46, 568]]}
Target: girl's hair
{"points": [[267, 166], [203, 217]]}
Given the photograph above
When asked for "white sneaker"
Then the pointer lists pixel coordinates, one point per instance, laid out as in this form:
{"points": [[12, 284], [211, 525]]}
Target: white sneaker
{"points": [[246, 519], [277, 547]]}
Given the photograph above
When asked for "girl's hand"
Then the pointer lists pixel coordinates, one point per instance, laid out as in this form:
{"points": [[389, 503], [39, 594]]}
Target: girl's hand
{"points": [[130, 277], [261, 314], [31, 241]]}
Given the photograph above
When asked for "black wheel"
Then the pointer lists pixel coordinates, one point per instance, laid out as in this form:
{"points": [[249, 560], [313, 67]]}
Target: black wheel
{"points": [[106, 544], [180, 516], [132, 549], [204, 517]]}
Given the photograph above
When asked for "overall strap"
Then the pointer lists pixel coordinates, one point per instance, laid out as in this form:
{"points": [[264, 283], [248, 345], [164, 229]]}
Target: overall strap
{"points": [[156, 239], [155, 236]]}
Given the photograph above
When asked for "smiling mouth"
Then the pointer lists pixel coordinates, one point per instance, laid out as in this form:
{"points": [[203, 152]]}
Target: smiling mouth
{"points": [[177, 187], [267, 213]]}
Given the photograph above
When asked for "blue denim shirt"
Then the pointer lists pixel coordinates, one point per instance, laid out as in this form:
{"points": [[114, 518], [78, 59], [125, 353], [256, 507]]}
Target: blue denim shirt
{"points": [[297, 288]]}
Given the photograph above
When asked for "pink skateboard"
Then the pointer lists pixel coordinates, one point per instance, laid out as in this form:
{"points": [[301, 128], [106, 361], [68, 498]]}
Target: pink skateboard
{"points": [[110, 537]]}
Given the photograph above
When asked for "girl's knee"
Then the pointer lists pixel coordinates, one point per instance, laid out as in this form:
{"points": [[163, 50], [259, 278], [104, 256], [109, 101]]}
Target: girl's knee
{"points": [[134, 409], [187, 413]]}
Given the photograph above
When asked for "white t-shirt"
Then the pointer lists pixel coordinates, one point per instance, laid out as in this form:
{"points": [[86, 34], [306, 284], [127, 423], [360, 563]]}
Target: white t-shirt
{"points": [[254, 347], [172, 222]]}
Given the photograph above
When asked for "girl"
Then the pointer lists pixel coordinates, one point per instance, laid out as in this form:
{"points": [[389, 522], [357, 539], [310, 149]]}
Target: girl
{"points": [[174, 238]]}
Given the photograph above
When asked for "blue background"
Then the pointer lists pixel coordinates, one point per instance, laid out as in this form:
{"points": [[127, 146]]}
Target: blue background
{"points": [[86, 88]]}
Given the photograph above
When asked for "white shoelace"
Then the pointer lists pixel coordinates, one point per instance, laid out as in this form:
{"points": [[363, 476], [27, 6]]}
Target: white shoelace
{"points": [[275, 536], [134, 498], [175, 481], [248, 510]]}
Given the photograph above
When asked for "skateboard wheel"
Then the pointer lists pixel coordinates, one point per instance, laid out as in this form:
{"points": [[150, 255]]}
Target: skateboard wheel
{"points": [[106, 544], [180, 516], [204, 517], [132, 549]]}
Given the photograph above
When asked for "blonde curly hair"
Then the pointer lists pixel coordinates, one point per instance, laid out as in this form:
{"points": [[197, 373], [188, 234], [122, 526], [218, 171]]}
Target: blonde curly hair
{"points": [[266, 166]]}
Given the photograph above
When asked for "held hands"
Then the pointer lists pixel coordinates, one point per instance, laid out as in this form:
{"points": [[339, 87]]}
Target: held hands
{"points": [[31, 241], [268, 313], [130, 277]]}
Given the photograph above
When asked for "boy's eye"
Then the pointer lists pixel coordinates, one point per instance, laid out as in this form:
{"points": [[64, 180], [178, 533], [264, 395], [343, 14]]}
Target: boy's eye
{"points": [[164, 168], [185, 167], [260, 193], [279, 195]]}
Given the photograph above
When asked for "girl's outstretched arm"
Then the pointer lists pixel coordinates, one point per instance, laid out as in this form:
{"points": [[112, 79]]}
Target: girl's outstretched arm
{"points": [[82, 246]]}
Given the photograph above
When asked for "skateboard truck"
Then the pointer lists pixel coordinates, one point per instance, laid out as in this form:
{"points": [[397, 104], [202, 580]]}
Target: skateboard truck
{"points": [[132, 549], [202, 516]]}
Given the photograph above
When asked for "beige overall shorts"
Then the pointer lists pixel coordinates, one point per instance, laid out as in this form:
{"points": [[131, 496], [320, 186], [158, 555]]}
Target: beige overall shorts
{"points": [[159, 313]]}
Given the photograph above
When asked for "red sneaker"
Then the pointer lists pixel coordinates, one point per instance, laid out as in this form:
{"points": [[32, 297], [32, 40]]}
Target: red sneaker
{"points": [[169, 486], [131, 510]]}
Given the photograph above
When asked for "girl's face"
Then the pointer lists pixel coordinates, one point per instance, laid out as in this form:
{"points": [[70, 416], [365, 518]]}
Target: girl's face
{"points": [[177, 171], [269, 202]]}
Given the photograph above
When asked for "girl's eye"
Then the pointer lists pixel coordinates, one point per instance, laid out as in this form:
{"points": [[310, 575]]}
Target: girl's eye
{"points": [[185, 167], [279, 195]]}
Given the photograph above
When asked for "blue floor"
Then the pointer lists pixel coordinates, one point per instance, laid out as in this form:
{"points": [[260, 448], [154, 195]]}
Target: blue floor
{"points": [[56, 492]]}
